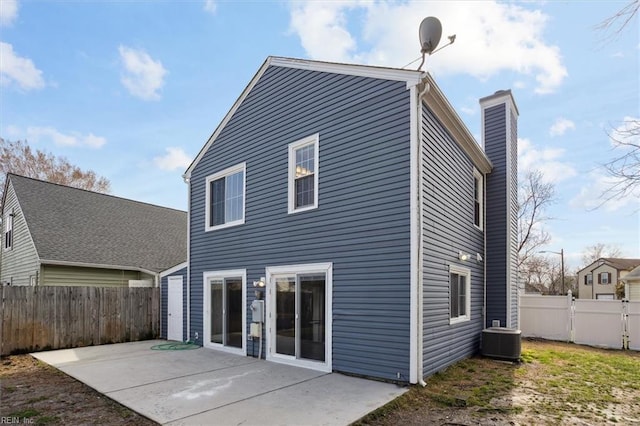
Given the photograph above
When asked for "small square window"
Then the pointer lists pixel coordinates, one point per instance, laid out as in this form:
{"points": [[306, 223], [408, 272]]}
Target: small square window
{"points": [[459, 294], [303, 174], [225, 198]]}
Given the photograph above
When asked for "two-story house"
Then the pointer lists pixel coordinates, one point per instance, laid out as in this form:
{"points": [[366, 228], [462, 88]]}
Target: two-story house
{"points": [[355, 202], [599, 279]]}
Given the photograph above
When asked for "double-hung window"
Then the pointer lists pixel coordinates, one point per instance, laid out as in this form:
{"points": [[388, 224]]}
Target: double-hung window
{"points": [[8, 231], [303, 174], [604, 278], [588, 279], [478, 199], [225, 198], [459, 294]]}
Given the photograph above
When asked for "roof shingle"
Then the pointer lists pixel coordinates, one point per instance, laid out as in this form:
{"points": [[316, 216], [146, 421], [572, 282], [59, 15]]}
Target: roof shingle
{"points": [[83, 227]]}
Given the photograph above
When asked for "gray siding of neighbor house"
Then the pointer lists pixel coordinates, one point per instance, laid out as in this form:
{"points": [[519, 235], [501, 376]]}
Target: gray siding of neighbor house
{"points": [[502, 278], [164, 297], [361, 225], [21, 262], [448, 227]]}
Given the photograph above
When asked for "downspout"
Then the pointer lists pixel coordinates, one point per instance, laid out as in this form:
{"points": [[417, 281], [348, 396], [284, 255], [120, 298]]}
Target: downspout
{"points": [[187, 180], [420, 359]]}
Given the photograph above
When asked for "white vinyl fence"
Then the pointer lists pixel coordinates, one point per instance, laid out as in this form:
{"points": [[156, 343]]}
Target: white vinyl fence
{"points": [[604, 323]]}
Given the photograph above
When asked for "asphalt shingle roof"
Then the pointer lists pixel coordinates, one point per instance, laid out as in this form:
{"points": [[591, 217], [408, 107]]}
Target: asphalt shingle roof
{"points": [[74, 225], [622, 264]]}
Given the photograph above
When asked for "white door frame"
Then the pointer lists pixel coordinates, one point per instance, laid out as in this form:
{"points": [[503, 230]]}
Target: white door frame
{"points": [[270, 307], [175, 310], [206, 309]]}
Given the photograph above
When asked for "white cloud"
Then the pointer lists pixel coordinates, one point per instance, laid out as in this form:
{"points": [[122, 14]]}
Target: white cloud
{"points": [[175, 158], [598, 183], [73, 139], [549, 161], [491, 37], [561, 126], [15, 69], [8, 11], [210, 6], [143, 76]]}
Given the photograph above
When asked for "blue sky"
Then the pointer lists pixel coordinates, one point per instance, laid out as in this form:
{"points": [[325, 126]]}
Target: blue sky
{"points": [[133, 89]]}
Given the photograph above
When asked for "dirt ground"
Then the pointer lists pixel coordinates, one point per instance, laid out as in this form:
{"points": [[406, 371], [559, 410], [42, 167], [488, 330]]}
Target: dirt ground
{"points": [[557, 384], [32, 392]]}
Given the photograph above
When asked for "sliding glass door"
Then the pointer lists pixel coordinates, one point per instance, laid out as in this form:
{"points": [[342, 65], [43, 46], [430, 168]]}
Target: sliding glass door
{"points": [[224, 319], [299, 316]]}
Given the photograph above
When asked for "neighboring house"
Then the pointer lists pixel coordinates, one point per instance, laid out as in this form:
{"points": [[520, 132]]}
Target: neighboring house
{"points": [[357, 204], [632, 285], [599, 279], [59, 235]]}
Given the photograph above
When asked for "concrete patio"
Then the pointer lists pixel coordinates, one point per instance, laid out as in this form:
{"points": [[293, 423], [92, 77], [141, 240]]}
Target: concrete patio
{"points": [[208, 387]]}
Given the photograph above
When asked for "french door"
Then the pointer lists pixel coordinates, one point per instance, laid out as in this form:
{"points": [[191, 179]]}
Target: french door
{"points": [[299, 321], [225, 312]]}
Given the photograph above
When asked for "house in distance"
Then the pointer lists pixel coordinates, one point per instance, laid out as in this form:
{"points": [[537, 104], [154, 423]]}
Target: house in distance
{"points": [[58, 235]]}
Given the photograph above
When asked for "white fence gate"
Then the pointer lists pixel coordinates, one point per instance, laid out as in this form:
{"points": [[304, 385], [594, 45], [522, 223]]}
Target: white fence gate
{"points": [[605, 323]]}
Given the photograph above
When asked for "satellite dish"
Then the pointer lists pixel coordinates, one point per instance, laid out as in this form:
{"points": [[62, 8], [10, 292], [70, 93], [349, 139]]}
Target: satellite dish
{"points": [[429, 33]]}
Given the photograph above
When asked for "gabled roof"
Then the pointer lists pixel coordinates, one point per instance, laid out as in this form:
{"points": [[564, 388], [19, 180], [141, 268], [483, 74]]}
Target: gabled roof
{"points": [[78, 227], [634, 275], [620, 264], [443, 109]]}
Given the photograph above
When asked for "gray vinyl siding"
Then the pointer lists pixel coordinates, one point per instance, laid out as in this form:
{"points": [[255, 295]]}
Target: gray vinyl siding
{"points": [[514, 283], [19, 263], [93, 277], [497, 217], [448, 227], [164, 297], [362, 221]]}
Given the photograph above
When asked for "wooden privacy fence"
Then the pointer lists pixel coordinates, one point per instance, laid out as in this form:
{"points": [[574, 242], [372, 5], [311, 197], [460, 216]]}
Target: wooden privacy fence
{"points": [[604, 323], [41, 318]]}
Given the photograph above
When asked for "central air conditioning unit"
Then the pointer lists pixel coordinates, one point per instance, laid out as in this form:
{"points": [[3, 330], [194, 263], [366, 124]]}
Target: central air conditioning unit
{"points": [[501, 343]]}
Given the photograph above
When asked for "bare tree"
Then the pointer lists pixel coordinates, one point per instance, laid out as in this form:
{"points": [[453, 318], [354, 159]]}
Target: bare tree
{"points": [[616, 23], [534, 197], [597, 251], [18, 157], [624, 169]]}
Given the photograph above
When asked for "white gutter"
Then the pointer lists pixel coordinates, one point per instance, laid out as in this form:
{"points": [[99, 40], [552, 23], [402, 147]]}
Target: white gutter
{"points": [[416, 371], [414, 243], [188, 182]]}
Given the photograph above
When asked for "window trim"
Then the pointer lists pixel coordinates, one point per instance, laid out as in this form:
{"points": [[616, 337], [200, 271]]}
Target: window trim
{"points": [[309, 140], [7, 240], [459, 270], [480, 177], [242, 167]]}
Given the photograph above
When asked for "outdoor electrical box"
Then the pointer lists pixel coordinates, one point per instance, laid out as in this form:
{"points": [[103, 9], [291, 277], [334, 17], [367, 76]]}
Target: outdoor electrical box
{"points": [[257, 311]]}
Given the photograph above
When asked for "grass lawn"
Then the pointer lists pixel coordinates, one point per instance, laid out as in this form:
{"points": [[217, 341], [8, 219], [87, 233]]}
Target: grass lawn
{"points": [[556, 383]]}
